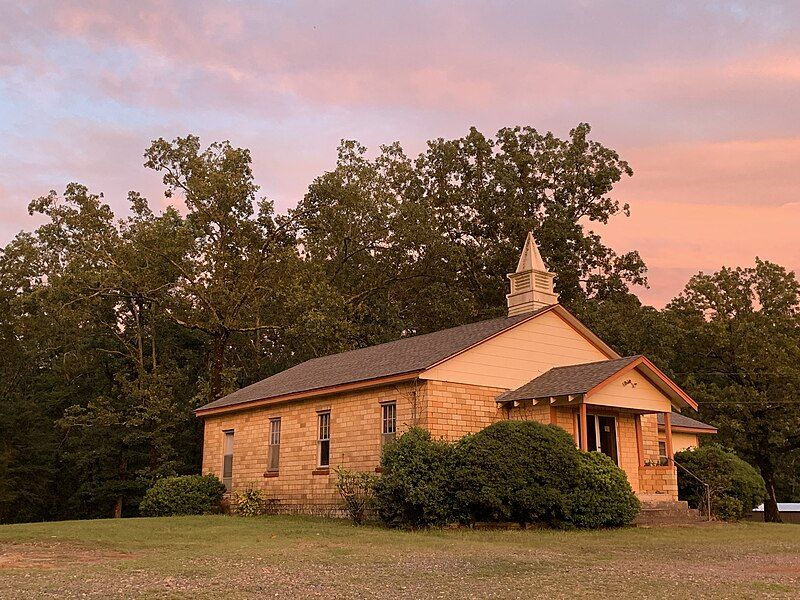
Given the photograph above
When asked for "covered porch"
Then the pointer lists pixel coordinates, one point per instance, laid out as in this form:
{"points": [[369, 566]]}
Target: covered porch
{"points": [[611, 407]]}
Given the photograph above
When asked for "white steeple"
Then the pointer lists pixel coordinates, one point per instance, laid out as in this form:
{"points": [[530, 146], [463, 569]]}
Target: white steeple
{"points": [[532, 284]]}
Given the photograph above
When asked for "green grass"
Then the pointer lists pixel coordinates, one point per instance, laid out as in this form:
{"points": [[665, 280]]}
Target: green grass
{"points": [[295, 557]]}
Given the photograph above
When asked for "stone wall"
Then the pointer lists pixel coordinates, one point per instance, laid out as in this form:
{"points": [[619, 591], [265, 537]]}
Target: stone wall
{"points": [[448, 410], [659, 482], [452, 410], [355, 442]]}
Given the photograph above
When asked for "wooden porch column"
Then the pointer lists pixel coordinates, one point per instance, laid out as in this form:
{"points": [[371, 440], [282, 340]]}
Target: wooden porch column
{"points": [[668, 431], [584, 442], [637, 422]]}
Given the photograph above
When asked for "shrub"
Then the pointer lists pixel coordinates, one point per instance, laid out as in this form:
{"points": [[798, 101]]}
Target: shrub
{"points": [[357, 490], [603, 496], [519, 471], [736, 487], [183, 495], [248, 503], [414, 487]]}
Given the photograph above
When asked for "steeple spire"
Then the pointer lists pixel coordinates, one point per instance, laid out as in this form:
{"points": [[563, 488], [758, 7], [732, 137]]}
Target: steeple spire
{"points": [[532, 284]]}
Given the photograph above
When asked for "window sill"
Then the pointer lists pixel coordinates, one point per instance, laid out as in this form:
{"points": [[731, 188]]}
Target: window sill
{"points": [[321, 471], [271, 474]]}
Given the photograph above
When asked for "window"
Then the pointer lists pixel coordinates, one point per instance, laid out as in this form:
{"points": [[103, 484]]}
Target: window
{"points": [[274, 445], [388, 422], [663, 459], [324, 439], [227, 460]]}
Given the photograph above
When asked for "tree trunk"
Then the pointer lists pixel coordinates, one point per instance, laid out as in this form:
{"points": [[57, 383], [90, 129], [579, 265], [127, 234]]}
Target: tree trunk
{"points": [[771, 514], [217, 365], [123, 472]]}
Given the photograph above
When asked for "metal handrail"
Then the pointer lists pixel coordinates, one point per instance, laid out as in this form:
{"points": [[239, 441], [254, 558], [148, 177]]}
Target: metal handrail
{"points": [[707, 486]]}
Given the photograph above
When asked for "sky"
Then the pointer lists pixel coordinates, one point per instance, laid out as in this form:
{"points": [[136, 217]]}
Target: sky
{"points": [[701, 98]]}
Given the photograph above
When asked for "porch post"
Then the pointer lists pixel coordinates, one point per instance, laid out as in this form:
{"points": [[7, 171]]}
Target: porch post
{"points": [[637, 422], [584, 442], [668, 431]]}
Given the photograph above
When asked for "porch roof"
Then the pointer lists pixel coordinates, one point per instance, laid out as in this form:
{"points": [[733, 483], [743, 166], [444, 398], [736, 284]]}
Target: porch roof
{"points": [[682, 422], [582, 380]]}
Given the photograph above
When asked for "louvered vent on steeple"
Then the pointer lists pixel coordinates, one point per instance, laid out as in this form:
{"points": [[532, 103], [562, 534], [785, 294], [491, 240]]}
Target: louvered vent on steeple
{"points": [[532, 284]]}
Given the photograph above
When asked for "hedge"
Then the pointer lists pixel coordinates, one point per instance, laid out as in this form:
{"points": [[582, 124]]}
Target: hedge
{"points": [[603, 496], [736, 487], [414, 489], [520, 471], [183, 495]]}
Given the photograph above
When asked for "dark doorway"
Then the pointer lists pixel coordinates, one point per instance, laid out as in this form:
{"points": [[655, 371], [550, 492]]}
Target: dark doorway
{"points": [[602, 435]]}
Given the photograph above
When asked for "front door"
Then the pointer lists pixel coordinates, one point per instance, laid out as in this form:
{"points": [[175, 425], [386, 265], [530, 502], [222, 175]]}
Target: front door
{"points": [[602, 434]]}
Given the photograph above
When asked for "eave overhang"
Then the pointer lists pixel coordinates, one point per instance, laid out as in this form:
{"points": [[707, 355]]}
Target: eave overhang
{"points": [[314, 393]]}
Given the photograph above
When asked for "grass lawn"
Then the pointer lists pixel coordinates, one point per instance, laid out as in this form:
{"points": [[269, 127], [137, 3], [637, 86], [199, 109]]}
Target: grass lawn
{"points": [[296, 557]]}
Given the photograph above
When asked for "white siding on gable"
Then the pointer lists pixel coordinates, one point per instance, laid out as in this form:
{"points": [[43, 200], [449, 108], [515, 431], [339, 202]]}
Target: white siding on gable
{"points": [[638, 394], [514, 357]]}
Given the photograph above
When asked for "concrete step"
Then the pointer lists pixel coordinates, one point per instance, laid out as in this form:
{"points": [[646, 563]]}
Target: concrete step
{"points": [[666, 512]]}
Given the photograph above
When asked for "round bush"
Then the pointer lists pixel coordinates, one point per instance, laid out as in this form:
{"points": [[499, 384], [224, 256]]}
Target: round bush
{"points": [[184, 495], [414, 487], [520, 471], [736, 487], [603, 496]]}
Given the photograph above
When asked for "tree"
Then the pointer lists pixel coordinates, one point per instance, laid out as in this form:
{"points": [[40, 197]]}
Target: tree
{"points": [[739, 355], [486, 194], [229, 277], [415, 246]]}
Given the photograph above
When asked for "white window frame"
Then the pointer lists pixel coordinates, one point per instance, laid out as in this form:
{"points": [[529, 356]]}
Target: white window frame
{"points": [[323, 438], [388, 422], [274, 455], [228, 434]]}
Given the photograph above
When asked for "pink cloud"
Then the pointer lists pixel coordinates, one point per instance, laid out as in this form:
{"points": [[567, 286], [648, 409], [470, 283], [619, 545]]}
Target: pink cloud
{"points": [[700, 100]]}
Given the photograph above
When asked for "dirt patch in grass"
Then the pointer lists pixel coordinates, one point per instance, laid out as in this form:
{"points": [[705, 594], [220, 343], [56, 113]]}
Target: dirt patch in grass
{"points": [[54, 556]]}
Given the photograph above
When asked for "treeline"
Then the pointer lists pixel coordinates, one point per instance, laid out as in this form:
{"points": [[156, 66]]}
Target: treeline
{"points": [[113, 329]]}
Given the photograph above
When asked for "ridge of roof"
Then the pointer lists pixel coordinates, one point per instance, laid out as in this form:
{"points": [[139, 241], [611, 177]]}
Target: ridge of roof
{"points": [[405, 355], [568, 379]]}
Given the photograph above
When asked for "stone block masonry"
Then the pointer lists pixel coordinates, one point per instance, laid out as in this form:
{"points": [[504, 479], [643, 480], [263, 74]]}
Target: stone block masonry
{"points": [[448, 410]]}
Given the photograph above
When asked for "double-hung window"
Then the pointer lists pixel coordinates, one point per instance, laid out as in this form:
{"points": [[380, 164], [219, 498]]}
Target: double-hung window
{"points": [[663, 459], [274, 445], [324, 439], [227, 460], [388, 422]]}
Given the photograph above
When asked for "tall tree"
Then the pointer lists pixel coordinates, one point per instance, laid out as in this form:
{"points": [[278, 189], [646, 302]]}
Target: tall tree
{"points": [[740, 357], [230, 278], [427, 243], [487, 193]]}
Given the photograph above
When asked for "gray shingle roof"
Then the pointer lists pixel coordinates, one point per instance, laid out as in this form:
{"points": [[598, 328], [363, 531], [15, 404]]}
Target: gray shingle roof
{"points": [[572, 379], [393, 358], [679, 420]]}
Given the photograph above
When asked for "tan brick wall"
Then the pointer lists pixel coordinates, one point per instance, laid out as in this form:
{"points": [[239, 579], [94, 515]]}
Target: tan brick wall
{"points": [[527, 411], [658, 481], [650, 437], [455, 409], [627, 450], [448, 410], [355, 442], [566, 419]]}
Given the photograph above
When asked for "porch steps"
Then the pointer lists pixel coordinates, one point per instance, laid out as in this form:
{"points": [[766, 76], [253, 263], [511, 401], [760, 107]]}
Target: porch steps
{"points": [[666, 512]]}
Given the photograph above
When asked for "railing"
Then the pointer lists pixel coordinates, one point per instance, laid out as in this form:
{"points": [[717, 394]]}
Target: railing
{"points": [[703, 483]]}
